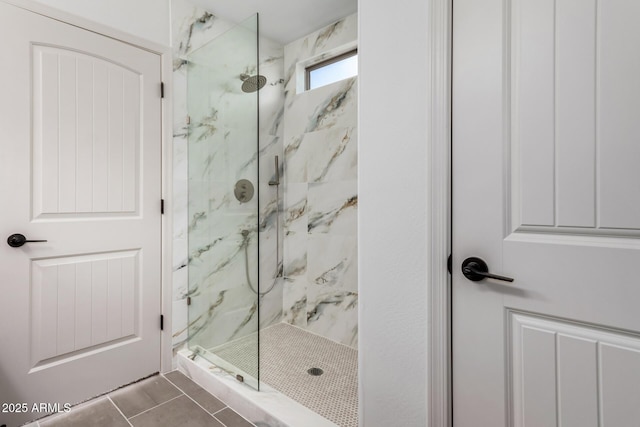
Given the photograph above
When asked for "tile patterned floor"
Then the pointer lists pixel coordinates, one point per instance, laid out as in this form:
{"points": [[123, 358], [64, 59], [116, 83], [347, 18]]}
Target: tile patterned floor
{"points": [[286, 353], [160, 401]]}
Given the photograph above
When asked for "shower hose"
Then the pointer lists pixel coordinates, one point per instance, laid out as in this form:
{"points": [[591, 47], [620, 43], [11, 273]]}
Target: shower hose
{"points": [[245, 243], [245, 233]]}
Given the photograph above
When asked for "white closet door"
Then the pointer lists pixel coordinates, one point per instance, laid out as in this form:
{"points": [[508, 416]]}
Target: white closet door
{"points": [[546, 148], [80, 146]]}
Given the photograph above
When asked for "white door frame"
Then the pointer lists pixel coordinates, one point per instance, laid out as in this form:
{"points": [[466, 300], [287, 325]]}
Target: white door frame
{"points": [[167, 176], [439, 211]]}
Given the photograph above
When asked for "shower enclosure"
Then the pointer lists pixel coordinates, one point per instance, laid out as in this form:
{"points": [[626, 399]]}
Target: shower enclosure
{"points": [[272, 296], [224, 193]]}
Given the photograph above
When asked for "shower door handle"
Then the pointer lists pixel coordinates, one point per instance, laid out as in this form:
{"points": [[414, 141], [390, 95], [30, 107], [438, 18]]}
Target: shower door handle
{"points": [[17, 240], [475, 269]]}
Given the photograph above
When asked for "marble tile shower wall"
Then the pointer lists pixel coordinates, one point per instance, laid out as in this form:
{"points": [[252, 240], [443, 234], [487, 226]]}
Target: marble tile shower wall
{"points": [[320, 143], [215, 259]]}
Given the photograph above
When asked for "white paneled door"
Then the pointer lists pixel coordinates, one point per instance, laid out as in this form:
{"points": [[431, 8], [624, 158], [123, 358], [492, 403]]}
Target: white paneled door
{"points": [[80, 150], [546, 190]]}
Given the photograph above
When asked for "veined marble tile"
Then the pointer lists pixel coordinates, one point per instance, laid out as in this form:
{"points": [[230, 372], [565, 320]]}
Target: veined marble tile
{"points": [[215, 212], [218, 317], [220, 264], [295, 254], [271, 96], [180, 280], [224, 297], [270, 217], [295, 159], [180, 210], [180, 317], [179, 102], [208, 163], [320, 216], [180, 159], [242, 155], [333, 314], [332, 155], [270, 256], [295, 208], [330, 106], [181, 249], [295, 301], [333, 207], [271, 302], [271, 148], [322, 156], [271, 112], [333, 262], [210, 213], [193, 27]]}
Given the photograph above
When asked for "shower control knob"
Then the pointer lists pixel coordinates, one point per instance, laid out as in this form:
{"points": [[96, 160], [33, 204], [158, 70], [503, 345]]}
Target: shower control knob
{"points": [[17, 240], [475, 269], [243, 190]]}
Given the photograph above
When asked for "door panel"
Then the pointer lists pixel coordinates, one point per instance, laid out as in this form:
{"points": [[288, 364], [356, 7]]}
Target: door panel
{"points": [[573, 131], [576, 371], [86, 134], [80, 118], [97, 303], [545, 147]]}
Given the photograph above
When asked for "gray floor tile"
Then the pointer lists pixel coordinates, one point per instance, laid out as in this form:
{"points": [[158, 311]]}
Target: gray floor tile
{"points": [[183, 382], [144, 395], [230, 418], [177, 412], [197, 393], [100, 413]]}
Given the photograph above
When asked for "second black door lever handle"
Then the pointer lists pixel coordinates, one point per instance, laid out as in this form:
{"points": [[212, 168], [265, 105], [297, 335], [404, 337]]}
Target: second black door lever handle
{"points": [[17, 240], [475, 269]]}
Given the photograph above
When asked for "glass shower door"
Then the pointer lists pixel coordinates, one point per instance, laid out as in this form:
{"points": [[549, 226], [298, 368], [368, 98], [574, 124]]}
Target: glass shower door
{"points": [[223, 201]]}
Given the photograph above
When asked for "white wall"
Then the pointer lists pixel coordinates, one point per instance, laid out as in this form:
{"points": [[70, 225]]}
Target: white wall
{"points": [[148, 19], [393, 199]]}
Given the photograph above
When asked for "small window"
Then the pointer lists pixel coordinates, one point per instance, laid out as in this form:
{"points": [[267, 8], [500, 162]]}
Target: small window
{"points": [[332, 70]]}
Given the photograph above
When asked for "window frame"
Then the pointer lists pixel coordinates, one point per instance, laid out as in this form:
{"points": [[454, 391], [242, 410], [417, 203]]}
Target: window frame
{"points": [[321, 64]]}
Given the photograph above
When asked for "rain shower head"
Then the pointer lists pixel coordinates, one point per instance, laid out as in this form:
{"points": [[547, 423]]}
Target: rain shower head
{"points": [[252, 83]]}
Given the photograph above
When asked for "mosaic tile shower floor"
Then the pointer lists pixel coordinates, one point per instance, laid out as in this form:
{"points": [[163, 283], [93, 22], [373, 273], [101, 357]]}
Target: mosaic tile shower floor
{"points": [[287, 353]]}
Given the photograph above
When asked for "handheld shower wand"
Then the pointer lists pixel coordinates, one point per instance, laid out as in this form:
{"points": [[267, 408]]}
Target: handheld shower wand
{"points": [[276, 181]]}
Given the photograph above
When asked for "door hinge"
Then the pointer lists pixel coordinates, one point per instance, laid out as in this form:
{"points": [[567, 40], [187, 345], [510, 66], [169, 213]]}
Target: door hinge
{"points": [[162, 206], [161, 89], [449, 263], [188, 300], [162, 322]]}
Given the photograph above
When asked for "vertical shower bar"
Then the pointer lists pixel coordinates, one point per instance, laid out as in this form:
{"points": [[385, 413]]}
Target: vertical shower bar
{"points": [[276, 182]]}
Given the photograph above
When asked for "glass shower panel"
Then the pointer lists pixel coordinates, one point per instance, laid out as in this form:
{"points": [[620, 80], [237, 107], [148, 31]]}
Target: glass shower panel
{"points": [[223, 201]]}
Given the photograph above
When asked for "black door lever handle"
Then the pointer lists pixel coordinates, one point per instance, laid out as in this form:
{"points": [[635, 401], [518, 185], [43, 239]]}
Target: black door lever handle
{"points": [[17, 240], [475, 269]]}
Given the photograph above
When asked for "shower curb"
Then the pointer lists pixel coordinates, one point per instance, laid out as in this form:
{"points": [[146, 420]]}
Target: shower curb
{"points": [[265, 408]]}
